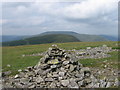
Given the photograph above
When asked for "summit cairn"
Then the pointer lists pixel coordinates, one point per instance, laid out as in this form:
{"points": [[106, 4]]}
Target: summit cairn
{"points": [[55, 70]]}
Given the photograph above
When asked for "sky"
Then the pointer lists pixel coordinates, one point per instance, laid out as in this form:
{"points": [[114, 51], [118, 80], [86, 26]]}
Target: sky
{"points": [[84, 17]]}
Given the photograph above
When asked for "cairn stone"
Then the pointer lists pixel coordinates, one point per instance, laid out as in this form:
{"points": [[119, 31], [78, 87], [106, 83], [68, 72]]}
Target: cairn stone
{"points": [[65, 83], [57, 69]]}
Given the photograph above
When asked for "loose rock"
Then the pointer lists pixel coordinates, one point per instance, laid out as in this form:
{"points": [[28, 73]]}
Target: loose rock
{"points": [[65, 82], [58, 69]]}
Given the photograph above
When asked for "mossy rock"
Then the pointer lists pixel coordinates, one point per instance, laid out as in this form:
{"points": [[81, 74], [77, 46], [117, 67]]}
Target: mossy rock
{"points": [[54, 61]]}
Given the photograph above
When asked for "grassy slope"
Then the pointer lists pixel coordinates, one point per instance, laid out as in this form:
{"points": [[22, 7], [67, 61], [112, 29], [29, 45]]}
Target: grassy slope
{"points": [[13, 55], [81, 37], [53, 38]]}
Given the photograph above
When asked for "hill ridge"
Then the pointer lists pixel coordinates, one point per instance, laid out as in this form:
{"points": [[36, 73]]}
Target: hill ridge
{"points": [[81, 37], [52, 38], [55, 37]]}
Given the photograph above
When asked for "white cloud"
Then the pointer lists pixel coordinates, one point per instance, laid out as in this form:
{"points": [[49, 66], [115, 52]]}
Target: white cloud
{"points": [[90, 8], [85, 16], [26, 22], [3, 21], [21, 9], [36, 20]]}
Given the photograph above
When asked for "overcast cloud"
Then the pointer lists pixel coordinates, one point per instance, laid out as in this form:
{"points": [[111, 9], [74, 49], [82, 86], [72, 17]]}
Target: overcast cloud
{"points": [[85, 17]]}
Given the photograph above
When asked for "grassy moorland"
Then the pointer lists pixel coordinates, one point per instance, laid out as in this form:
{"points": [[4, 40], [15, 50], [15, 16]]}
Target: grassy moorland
{"points": [[13, 55], [112, 61]]}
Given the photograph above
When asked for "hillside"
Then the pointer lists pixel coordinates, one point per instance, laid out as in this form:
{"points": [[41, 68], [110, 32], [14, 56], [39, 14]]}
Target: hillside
{"points": [[111, 38], [7, 38], [52, 38], [81, 37]]}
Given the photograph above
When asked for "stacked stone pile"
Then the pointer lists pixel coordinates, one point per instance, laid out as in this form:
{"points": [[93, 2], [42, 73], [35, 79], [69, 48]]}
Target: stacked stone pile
{"points": [[55, 70], [97, 52]]}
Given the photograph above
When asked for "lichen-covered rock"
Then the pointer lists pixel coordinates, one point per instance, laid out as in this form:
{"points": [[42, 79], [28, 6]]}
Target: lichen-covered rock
{"points": [[55, 61]]}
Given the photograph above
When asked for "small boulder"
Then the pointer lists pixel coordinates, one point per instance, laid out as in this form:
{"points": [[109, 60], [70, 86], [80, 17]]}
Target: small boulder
{"points": [[65, 62], [65, 82], [16, 76], [49, 79], [72, 68], [61, 74]]}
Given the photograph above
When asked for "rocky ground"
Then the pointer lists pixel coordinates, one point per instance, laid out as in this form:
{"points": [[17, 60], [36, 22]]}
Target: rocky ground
{"points": [[60, 68], [97, 52]]}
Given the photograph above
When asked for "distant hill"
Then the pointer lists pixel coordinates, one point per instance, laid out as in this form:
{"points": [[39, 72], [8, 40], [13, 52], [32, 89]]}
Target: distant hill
{"points": [[54, 37], [40, 39], [111, 38], [81, 37], [6, 38]]}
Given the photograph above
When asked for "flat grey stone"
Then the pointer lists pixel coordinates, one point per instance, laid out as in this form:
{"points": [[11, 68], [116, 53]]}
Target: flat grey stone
{"points": [[30, 74], [16, 76], [61, 74], [46, 71], [49, 79], [53, 66], [72, 68], [79, 75], [88, 48], [24, 80], [39, 80], [58, 84], [62, 69], [49, 75], [73, 84], [67, 66], [80, 83], [88, 80], [108, 84], [97, 85], [20, 70], [45, 66], [60, 78], [52, 85], [55, 75], [65, 82], [18, 85], [66, 62], [32, 86]]}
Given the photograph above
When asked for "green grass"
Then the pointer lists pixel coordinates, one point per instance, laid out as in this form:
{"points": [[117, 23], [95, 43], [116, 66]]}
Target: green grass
{"points": [[13, 54], [113, 60]]}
